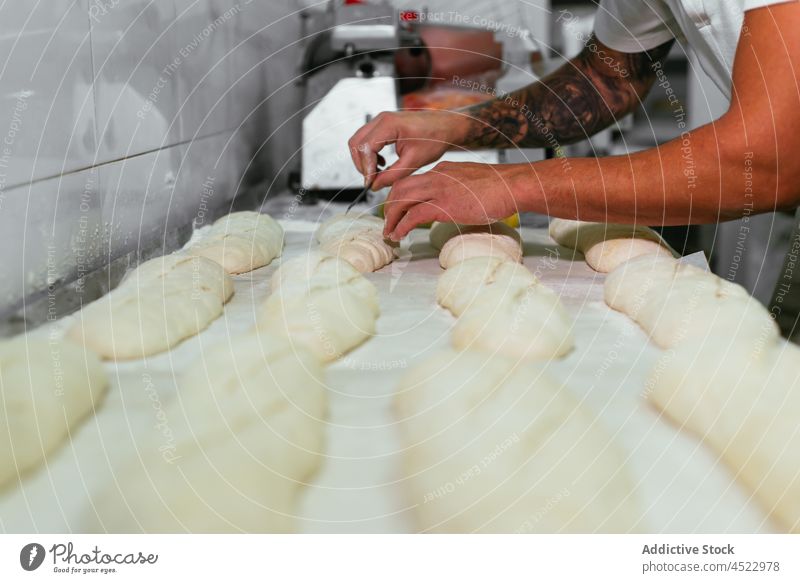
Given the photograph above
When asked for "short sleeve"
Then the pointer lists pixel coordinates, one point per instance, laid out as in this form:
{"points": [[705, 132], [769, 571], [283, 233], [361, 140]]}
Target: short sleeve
{"points": [[633, 26], [751, 4]]}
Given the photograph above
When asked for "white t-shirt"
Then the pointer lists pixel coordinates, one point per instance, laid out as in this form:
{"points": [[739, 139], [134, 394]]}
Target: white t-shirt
{"points": [[710, 27]]}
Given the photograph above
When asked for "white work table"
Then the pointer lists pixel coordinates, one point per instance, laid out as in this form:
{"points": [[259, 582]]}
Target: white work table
{"points": [[680, 485]]}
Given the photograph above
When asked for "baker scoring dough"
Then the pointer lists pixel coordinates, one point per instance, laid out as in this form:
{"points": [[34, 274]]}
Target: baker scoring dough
{"points": [[749, 49]]}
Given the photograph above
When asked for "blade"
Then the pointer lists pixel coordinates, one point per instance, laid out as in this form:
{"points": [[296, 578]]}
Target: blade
{"points": [[361, 196]]}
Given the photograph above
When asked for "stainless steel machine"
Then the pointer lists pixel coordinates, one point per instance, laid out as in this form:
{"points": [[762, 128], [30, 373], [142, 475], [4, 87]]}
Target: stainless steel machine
{"points": [[359, 60], [348, 76]]}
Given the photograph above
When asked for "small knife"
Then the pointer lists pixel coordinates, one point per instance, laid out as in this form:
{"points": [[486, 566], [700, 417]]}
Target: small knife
{"points": [[363, 194]]}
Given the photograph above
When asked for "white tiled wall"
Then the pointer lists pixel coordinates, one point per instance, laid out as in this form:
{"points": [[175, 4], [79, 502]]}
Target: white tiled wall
{"points": [[136, 99], [46, 99], [116, 114], [205, 34]]}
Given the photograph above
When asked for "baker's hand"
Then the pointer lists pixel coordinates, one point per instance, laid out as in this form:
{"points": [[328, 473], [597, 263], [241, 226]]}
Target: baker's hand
{"points": [[420, 138], [457, 192]]}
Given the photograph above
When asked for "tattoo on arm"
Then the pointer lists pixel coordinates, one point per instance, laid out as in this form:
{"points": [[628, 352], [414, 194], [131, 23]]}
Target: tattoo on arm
{"points": [[582, 97]]}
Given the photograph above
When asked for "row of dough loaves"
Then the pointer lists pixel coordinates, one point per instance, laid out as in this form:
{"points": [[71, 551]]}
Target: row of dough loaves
{"points": [[322, 302], [50, 384], [47, 387], [168, 299], [490, 442], [727, 377], [493, 444], [501, 307], [248, 427]]}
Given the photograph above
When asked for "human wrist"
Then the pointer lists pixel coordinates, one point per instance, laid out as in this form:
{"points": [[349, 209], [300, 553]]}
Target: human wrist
{"points": [[531, 181], [460, 127]]}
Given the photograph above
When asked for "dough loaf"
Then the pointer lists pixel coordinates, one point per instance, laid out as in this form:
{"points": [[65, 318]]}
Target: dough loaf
{"points": [[318, 266], [740, 395], [316, 271], [332, 311], [159, 304], [357, 239], [458, 286], [249, 431], [626, 288], [46, 388], [522, 323], [241, 242], [460, 242], [492, 445], [346, 225], [727, 376], [606, 245], [674, 302]]}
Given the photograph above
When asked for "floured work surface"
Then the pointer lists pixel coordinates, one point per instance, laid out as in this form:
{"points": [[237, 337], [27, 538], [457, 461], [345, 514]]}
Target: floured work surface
{"points": [[680, 485]]}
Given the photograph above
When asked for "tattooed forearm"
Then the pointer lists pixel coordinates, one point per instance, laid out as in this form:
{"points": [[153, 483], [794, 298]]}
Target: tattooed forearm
{"points": [[585, 95]]}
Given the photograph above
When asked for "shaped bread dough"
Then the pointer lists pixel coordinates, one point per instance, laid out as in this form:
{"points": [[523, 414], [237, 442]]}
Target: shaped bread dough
{"points": [[697, 301], [159, 304], [241, 241], [471, 245], [180, 266], [331, 312], [316, 265], [46, 388], [330, 322], [458, 286], [317, 271], [731, 317], [441, 233], [347, 225], [460, 242], [492, 445], [674, 302], [727, 377], [249, 431], [606, 255], [607, 245], [524, 323], [366, 251], [626, 288], [740, 396], [358, 239]]}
